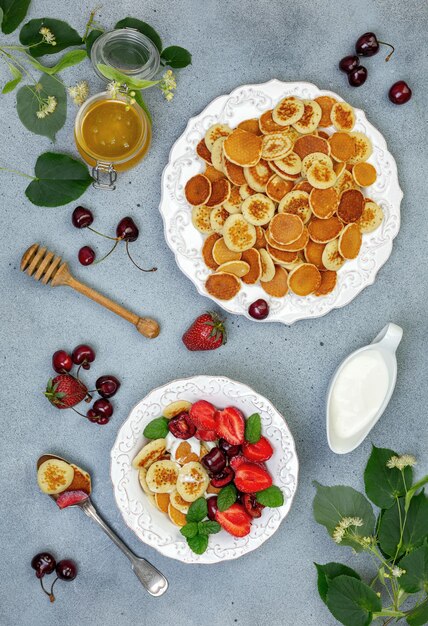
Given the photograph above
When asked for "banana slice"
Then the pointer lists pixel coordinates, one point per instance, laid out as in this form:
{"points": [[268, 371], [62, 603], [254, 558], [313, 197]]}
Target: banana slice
{"points": [[215, 132], [192, 481], [162, 476], [178, 503], [175, 408], [142, 473], [149, 454], [54, 476], [201, 219]]}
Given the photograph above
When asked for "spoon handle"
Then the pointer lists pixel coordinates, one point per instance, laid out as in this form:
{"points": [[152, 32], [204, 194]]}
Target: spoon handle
{"points": [[155, 583]]}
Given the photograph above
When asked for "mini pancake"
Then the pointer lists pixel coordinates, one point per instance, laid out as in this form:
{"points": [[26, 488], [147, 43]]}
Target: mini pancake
{"points": [[217, 154], [177, 517], [268, 266], [234, 201], [277, 287], [238, 268], [321, 176], [203, 152], [291, 266], [211, 489], [267, 125], [322, 133], [252, 257], [350, 241], [274, 167], [296, 246], [288, 111], [162, 476], [258, 209], [323, 231], [342, 146], [220, 191], [178, 503], [371, 218], [338, 168], [257, 176], [251, 126], [201, 219], [351, 205], [331, 257], [275, 146], [243, 148], [214, 132], [303, 185], [260, 238], [344, 183], [313, 253], [223, 286], [364, 174], [285, 228], [235, 173], [174, 408], [197, 190], [297, 203], [310, 159], [309, 121], [304, 280], [326, 104], [245, 191], [324, 202], [276, 187], [310, 143], [218, 216], [363, 147], [328, 283], [207, 251], [290, 164], [281, 256], [162, 501], [342, 116], [212, 174], [238, 234], [222, 254]]}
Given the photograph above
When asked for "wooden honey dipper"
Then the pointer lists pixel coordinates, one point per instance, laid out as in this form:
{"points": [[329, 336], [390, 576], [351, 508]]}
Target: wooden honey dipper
{"points": [[44, 265]]}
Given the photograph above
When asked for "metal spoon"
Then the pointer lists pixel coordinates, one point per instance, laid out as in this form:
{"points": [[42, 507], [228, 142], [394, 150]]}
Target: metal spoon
{"points": [[154, 582]]}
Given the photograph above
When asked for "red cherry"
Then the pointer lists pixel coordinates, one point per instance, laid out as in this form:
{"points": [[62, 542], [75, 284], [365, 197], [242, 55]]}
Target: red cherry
{"points": [[251, 505], [83, 355], [107, 386], [349, 63], [400, 92], [92, 416], [223, 478], [66, 569], [358, 76], [103, 407], [43, 563], [82, 217], [86, 255], [61, 361], [103, 420], [181, 426], [127, 229], [259, 309], [212, 507], [368, 44]]}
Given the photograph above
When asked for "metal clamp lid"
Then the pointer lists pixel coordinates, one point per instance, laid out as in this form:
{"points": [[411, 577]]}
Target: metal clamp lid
{"points": [[104, 170]]}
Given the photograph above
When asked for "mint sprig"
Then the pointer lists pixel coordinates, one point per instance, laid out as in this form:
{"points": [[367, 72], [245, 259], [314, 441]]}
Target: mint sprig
{"points": [[197, 530], [253, 428], [271, 497], [226, 497], [156, 429], [198, 510]]}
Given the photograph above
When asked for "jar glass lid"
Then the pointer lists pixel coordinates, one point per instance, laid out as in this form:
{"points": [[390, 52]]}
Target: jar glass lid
{"points": [[128, 51]]}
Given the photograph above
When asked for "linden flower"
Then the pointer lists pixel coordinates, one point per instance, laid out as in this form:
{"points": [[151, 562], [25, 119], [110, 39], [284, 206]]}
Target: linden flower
{"points": [[342, 527], [79, 92], [168, 84], [113, 89], [400, 462], [397, 571], [48, 36], [47, 107]]}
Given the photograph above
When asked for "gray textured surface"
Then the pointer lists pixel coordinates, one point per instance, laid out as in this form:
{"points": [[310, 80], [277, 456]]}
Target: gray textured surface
{"points": [[232, 43]]}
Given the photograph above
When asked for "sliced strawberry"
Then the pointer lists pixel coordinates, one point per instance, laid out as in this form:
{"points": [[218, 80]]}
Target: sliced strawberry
{"points": [[206, 435], [237, 460], [231, 425], [68, 498], [260, 451], [250, 478], [235, 520], [202, 414]]}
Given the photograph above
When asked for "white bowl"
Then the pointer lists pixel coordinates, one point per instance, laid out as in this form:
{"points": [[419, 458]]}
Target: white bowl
{"points": [[154, 527]]}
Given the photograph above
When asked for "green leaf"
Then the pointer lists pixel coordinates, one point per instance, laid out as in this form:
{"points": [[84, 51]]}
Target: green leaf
{"points": [[91, 38], [13, 12], [65, 36], [59, 180], [176, 57], [198, 510], [119, 77], [143, 27], [226, 497], [419, 616], [415, 529], [382, 483], [189, 530], [17, 77], [411, 492], [139, 100], [70, 58], [351, 601], [156, 429], [198, 544], [416, 565], [331, 504], [27, 106], [272, 497], [328, 572], [253, 428], [209, 527]]}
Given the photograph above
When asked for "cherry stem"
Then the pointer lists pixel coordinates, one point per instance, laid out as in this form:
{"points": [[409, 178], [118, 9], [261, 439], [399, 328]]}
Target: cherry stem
{"points": [[391, 46], [50, 595], [108, 253], [154, 269], [101, 234], [78, 412]]}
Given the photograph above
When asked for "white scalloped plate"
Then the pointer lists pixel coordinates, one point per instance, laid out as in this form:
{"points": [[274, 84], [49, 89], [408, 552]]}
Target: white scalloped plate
{"points": [[186, 242], [154, 527]]}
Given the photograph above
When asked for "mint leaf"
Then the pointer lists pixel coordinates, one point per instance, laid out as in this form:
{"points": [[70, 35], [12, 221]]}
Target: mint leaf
{"points": [[351, 601], [253, 428], [226, 497], [189, 530], [328, 572], [382, 483], [156, 429], [209, 528], [198, 544], [176, 57], [272, 497], [198, 510]]}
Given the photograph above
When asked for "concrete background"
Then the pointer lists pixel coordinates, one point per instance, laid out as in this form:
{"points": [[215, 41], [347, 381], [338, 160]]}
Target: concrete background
{"points": [[232, 43]]}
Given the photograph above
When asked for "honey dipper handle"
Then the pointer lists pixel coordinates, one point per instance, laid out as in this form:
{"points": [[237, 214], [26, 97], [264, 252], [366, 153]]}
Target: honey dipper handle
{"points": [[146, 326]]}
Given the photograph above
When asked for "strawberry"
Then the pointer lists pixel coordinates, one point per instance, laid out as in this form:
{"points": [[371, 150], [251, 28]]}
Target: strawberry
{"points": [[231, 425], [70, 498], [239, 459], [260, 451], [206, 333], [65, 391], [206, 435], [250, 478], [235, 520], [202, 414]]}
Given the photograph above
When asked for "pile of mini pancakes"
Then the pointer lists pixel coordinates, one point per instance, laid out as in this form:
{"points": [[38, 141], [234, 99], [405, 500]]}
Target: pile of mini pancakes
{"points": [[281, 199]]}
